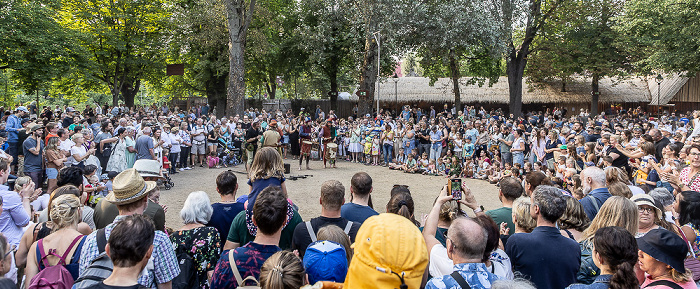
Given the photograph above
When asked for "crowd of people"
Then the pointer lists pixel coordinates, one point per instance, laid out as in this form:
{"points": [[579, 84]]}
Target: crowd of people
{"points": [[605, 201]]}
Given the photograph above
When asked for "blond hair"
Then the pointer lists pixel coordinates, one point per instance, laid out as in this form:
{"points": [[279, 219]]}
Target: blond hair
{"points": [[283, 270], [616, 211], [76, 136], [267, 164], [65, 211], [521, 210], [336, 234]]}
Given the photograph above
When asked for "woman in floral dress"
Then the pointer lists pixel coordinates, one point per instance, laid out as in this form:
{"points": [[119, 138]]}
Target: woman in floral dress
{"points": [[201, 242]]}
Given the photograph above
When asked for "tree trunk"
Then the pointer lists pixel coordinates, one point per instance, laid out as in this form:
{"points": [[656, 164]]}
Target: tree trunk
{"points": [[595, 93], [454, 73], [515, 68], [368, 76], [271, 86], [238, 19], [129, 91], [334, 88]]}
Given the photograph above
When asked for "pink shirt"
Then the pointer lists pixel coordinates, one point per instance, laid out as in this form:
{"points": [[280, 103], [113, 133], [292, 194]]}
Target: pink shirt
{"points": [[686, 285]]}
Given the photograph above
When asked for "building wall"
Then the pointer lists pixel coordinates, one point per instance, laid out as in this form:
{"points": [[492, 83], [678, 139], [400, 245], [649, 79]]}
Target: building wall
{"points": [[690, 92]]}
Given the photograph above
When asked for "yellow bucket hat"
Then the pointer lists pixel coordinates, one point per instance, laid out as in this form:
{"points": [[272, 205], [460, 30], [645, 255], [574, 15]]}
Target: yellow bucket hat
{"points": [[389, 251]]}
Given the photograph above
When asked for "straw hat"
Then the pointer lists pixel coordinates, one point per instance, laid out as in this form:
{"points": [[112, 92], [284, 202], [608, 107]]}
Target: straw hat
{"points": [[129, 187]]}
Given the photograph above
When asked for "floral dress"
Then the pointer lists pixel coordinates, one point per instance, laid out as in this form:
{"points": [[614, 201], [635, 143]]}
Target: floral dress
{"points": [[204, 245]]}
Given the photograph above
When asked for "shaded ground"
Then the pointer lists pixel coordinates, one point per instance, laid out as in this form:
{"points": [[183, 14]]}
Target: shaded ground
{"points": [[306, 192]]}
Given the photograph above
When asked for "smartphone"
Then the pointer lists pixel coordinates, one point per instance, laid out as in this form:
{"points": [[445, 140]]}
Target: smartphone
{"points": [[455, 186]]}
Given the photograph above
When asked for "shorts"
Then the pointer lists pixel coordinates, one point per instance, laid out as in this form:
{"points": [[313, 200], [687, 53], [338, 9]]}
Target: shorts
{"points": [[199, 149], [51, 173]]}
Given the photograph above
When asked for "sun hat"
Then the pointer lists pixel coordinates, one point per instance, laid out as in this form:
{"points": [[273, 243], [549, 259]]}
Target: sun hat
{"points": [[128, 187], [644, 199], [325, 261], [22, 108], [665, 246], [148, 168], [272, 123], [389, 252]]}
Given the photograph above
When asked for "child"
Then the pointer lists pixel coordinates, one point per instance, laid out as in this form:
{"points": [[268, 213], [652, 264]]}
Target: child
{"points": [[441, 168], [607, 162], [368, 149], [468, 148], [398, 161], [213, 160], [376, 147], [96, 195], [468, 169], [411, 163], [458, 143], [495, 176], [267, 170], [345, 145], [507, 170], [430, 170], [423, 163]]}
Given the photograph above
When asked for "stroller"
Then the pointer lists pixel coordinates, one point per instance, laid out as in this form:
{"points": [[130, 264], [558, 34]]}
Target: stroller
{"points": [[228, 152], [166, 181]]}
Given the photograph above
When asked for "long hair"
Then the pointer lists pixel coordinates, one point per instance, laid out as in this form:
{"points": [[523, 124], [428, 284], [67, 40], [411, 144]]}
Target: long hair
{"points": [[689, 209], [618, 248], [402, 204], [574, 216], [616, 211], [266, 164], [283, 270], [53, 143]]}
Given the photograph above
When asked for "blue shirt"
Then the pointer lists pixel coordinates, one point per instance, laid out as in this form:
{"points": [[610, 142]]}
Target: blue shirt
{"points": [[223, 215], [601, 195], [476, 275], [601, 282], [13, 217], [13, 124], [532, 256], [356, 213]]}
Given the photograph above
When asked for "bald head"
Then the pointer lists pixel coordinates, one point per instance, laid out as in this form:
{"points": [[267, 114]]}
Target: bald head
{"points": [[468, 237], [655, 134]]}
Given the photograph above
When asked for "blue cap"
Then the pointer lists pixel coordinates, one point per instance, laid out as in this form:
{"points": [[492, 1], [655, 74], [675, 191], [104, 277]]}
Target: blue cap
{"points": [[325, 261]]}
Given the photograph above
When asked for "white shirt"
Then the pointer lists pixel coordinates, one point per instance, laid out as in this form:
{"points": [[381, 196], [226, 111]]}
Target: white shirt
{"points": [[441, 265], [77, 150]]}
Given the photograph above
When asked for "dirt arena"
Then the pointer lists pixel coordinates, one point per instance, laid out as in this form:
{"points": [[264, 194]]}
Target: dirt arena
{"points": [[305, 192]]}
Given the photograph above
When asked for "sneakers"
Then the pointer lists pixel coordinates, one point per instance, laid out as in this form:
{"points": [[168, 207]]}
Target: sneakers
{"points": [[188, 168], [182, 169]]}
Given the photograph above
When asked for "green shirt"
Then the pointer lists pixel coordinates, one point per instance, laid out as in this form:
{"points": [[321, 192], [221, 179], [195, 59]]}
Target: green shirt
{"points": [[501, 215], [239, 231]]}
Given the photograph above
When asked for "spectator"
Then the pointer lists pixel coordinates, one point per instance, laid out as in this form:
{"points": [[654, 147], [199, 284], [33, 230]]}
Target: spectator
{"points": [[574, 220], [225, 211], [16, 208], [387, 235], [54, 162], [145, 146], [593, 182], [666, 199], [360, 206], [33, 150], [546, 268], [269, 216], [332, 198], [13, 126], [402, 204], [130, 247], [65, 241], [687, 206], [509, 189], [325, 261], [130, 197], [5, 261], [335, 234], [661, 256], [616, 255], [650, 215], [495, 259], [617, 211], [466, 243], [524, 223], [194, 238]]}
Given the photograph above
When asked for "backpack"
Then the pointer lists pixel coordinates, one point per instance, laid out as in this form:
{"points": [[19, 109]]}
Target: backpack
{"points": [[100, 268], [312, 234], [188, 278], [57, 276], [240, 281]]}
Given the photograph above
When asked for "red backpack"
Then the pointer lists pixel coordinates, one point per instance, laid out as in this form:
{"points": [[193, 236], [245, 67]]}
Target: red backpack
{"points": [[57, 276]]}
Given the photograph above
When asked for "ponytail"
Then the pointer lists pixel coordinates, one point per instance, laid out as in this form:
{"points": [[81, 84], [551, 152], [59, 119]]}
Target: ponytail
{"points": [[624, 276], [402, 204]]}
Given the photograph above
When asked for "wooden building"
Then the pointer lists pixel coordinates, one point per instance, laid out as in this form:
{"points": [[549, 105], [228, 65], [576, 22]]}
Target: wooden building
{"points": [[677, 93], [628, 93]]}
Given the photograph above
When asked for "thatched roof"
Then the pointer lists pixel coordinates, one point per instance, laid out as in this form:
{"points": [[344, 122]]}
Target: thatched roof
{"points": [[414, 89], [670, 85]]}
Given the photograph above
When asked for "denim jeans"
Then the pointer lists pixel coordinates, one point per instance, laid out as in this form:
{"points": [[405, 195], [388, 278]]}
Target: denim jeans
{"points": [[519, 157], [387, 150], [506, 157], [435, 151]]}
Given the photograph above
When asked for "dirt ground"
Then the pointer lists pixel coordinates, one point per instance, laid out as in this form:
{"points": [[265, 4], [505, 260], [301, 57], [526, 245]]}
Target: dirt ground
{"points": [[305, 193]]}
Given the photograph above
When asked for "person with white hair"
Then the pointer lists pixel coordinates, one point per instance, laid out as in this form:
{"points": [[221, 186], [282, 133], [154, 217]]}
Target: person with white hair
{"points": [[202, 243], [666, 199], [593, 184]]}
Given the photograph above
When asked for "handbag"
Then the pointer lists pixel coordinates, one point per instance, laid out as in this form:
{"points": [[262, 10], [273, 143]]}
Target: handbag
{"points": [[691, 262]]}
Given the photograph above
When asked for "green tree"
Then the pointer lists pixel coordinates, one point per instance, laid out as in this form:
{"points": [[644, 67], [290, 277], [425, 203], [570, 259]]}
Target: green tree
{"points": [[582, 41], [125, 41], [35, 46], [457, 38], [662, 35]]}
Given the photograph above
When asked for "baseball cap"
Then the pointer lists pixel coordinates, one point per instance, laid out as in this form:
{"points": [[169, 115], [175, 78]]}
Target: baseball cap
{"points": [[389, 252], [665, 246], [36, 127], [70, 109], [325, 261], [22, 108]]}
